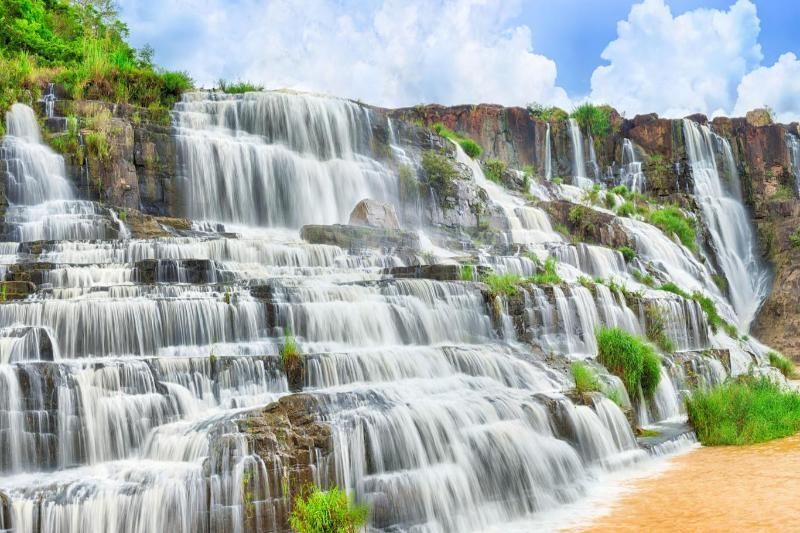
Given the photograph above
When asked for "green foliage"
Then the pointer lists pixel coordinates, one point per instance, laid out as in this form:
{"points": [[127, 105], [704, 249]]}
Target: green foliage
{"points": [[81, 45], [783, 192], [558, 180], [289, 352], [594, 119], [781, 363], [794, 238], [239, 87], [409, 186], [720, 282], [494, 169], [627, 209], [745, 411], [439, 170], [627, 252], [657, 328], [505, 284], [611, 200], [671, 220], [671, 287], [585, 377], [623, 191], [97, 145], [548, 114], [645, 278], [467, 273], [630, 358], [592, 196], [548, 276], [470, 147], [326, 512]]}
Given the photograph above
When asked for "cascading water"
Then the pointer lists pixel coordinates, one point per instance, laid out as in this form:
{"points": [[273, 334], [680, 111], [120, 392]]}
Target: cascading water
{"points": [[632, 174], [548, 155], [578, 160], [793, 145], [276, 159], [726, 218], [127, 379]]}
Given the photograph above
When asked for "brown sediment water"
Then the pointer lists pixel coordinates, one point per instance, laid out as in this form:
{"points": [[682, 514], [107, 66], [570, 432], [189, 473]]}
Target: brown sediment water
{"points": [[744, 488]]}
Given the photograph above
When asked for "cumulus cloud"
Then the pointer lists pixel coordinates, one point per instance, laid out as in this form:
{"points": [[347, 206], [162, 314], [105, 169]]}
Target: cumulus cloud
{"points": [[393, 53], [777, 86], [678, 65]]}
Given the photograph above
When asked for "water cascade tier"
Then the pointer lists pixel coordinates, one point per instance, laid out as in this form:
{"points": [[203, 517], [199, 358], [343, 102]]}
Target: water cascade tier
{"points": [[144, 383]]}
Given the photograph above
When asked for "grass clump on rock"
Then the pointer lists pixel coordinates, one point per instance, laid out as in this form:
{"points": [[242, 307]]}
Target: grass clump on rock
{"points": [[630, 358], [470, 147], [781, 363], [329, 511], [503, 284], [548, 275], [586, 379], [745, 411], [671, 220]]}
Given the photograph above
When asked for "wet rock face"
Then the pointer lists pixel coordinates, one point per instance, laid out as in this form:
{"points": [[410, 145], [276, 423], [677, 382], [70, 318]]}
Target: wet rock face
{"points": [[295, 448], [374, 214], [590, 225], [355, 238]]}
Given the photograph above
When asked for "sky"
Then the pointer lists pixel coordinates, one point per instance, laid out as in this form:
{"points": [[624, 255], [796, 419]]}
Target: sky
{"points": [[672, 57]]}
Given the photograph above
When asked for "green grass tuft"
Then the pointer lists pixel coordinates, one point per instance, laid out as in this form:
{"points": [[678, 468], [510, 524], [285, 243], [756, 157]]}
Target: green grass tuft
{"points": [[631, 359], [240, 87], [745, 411], [781, 363], [548, 276], [326, 511], [627, 252], [671, 220], [585, 377], [470, 147], [505, 284]]}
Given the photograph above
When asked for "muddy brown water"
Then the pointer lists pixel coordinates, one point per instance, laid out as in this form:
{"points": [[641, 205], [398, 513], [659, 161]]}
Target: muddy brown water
{"points": [[747, 488]]}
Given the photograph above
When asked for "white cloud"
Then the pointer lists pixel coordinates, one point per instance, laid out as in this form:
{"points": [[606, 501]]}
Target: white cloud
{"points": [[395, 52], [678, 65], [777, 86]]}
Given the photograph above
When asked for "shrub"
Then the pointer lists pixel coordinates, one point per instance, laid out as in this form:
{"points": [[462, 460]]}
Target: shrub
{"points": [[595, 119], [439, 170], [623, 191], [467, 273], [494, 169], [558, 180], [548, 114], [645, 278], [627, 209], [627, 252], [548, 276], [671, 287], [289, 352], [745, 411], [470, 147], [794, 238], [630, 358], [657, 328], [239, 87], [781, 363], [671, 220], [326, 512], [505, 284], [585, 378], [611, 200], [409, 186]]}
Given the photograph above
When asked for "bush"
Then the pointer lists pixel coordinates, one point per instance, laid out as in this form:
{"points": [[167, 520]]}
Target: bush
{"points": [[326, 512], [627, 209], [627, 252], [467, 273], [290, 352], [781, 363], [548, 276], [470, 147], [505, 284], [611, 200], [548, 114], [623, 191], [671, 287], [592, 118], [494, 169], [585, 378], [630, 358], [239, 87], [439, 169], [671, 220], [657, 328], [745, 411]]}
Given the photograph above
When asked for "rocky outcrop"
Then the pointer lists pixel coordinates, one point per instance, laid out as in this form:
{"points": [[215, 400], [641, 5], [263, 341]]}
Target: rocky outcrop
{"points": [[358, 238], [374, 214], [588, 224], [295, 448], [125, 154]]}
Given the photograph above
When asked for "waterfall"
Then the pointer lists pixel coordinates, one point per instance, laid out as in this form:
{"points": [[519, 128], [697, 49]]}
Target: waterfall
{"points": [[548, 155], [793, 145], [578, 162], [632, 175], [727, 220], [276, 158]]}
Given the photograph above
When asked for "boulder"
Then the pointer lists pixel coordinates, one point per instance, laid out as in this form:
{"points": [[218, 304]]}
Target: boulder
{"points": [[374, 214], [759, 117]]}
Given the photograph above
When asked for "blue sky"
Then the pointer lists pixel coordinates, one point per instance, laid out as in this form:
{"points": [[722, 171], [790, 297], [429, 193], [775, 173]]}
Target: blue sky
{"points": [[673, 57]]}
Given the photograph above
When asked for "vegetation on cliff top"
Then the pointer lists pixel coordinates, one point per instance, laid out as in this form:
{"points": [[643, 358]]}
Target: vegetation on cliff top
{"points": [[326, 512], [745, 411], [81, 45], [470, 147], [594, 119]]}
